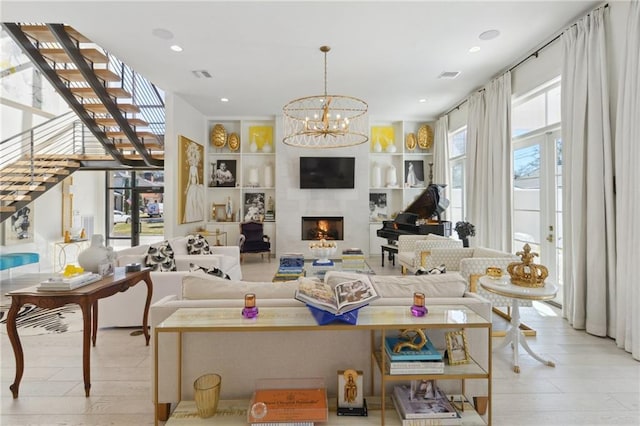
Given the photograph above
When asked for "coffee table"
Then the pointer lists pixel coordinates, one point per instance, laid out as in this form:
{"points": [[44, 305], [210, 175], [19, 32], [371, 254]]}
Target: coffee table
{"points": [[318, 271]]}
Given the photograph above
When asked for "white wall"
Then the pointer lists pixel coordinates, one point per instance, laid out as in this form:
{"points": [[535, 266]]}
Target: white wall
{"points": [[181, 119]]}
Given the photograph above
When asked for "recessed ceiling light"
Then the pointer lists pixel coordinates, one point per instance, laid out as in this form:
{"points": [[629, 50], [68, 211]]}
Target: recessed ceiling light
{"points": [[224, 99], [489, 35], [423, 100], [162, 33], [449, 74], [474, 49], [176, 48]]}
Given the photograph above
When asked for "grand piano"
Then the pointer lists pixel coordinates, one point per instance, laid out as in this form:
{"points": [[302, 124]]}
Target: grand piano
{"points": [[420, 218]]}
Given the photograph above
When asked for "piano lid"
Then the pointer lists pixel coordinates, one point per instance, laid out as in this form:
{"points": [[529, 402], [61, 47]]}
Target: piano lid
{"points": [[430, 203]]}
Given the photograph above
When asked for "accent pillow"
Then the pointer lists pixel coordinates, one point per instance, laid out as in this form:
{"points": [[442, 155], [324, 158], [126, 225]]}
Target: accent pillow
{"points": [[160, 257], [442, 269], [197, 244], [216, 272]]}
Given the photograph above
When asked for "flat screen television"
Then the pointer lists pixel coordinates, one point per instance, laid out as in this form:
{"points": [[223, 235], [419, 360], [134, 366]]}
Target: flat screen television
{"points": [[327, 172]]}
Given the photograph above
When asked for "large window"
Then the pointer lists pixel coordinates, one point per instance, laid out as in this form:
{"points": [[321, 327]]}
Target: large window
{"points": [[457, 152]]}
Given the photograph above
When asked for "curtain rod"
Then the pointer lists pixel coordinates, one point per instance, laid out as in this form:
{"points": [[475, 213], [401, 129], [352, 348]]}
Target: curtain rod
{"points": [[534, 54]]}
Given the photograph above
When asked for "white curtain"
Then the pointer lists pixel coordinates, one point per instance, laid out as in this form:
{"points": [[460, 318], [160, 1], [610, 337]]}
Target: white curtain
{"points": [[627, 154], [488, 180], [441, 157], [588, 197]]}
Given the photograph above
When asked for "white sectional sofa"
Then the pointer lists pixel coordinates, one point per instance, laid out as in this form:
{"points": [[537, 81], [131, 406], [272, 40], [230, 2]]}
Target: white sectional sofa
{"points": [[125, 309], [240, 358]]}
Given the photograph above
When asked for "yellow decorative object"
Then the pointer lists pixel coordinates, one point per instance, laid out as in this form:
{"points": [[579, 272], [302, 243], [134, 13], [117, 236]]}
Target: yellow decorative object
{"points": [[527, 273], [262, 136], [218, 136], [410, 141], [425, 137], [71, 270], [384, 135], [414, 339], [234, 141], [494, 272]]}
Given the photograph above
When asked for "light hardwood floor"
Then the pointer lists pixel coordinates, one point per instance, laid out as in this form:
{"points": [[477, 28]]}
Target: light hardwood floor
{"points": [[593, 383]]}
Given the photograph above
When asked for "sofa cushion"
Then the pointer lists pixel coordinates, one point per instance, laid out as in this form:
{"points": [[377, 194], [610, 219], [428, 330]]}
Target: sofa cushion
{"points": [[160, 257], [443, 285], [216, 272], [197, 244], [198, 285]]}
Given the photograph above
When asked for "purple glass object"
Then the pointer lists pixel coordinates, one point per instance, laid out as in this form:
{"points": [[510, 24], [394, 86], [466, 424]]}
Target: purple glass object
{"points": [[418, 309], [250, 309]]}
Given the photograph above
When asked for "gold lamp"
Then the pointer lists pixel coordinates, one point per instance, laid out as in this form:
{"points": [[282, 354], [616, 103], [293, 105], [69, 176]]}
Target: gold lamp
{"points": [[325, 121]]}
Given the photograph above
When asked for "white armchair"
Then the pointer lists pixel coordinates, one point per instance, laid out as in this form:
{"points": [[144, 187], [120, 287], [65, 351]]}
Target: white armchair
{"points": [[414, 249], [472, 264]]}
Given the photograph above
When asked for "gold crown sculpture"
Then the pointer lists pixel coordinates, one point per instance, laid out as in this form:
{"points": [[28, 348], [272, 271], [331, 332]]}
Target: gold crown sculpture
{"points": [[527, 273]]}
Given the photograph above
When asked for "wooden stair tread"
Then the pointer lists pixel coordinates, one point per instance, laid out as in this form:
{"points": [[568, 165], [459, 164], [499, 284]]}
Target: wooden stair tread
{"points": [[48, 162], [101, 109], [60, 56], [42, 33], [111, 122], [77, 157], [149, 146], [36, 171], [27, 178], [141, 135], [155, 156], [12, 197], [7, 209], [76, 75], [89, 93], [13, 187]]}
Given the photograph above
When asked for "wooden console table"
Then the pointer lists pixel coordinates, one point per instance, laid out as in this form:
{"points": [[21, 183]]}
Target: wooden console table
{"points": [[87, 297]]}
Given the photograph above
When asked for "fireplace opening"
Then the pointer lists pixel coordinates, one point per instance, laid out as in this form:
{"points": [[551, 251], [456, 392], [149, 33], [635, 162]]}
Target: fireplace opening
{"points": [[323, 227]]}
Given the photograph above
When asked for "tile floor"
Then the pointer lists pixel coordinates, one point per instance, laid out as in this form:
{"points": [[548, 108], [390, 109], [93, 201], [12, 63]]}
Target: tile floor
{"points": [[593, 383]]}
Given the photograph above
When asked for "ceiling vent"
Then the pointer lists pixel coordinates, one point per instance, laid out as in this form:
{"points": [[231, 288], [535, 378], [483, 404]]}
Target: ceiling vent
{"points": [[449, 74], [202, 74]]}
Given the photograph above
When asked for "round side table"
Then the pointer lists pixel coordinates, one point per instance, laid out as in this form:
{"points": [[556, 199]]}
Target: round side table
{"points": [[515, 336]]}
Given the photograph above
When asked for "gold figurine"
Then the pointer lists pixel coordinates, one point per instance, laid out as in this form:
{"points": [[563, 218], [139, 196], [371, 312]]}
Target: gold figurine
{"points": [[350, 386], [414, 339]]}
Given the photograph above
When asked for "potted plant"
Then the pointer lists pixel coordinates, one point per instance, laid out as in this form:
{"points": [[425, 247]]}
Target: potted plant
{"points": [[465, 230]]}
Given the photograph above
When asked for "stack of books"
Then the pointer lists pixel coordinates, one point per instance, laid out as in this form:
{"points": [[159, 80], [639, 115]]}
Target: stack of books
{"points": [[427, 360], [291, 266], [353, 259], [62, 283], [424, 407]]}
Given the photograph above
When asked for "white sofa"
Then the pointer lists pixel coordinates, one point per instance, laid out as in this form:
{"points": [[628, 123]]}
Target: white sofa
{"points": [[126, 309], [240, 358]]}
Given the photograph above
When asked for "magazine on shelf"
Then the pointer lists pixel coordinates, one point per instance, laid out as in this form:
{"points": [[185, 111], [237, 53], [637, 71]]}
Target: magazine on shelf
{"points": [[426, 402], [337, 293], [452, 421]]}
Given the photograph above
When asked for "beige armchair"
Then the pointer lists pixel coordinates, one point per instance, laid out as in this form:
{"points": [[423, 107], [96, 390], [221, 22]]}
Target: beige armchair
{"points": [[414, 249], [472, 264]]}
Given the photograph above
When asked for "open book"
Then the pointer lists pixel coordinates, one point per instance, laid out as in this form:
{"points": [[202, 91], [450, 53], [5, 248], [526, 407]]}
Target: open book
{"points": [[339, 292]]}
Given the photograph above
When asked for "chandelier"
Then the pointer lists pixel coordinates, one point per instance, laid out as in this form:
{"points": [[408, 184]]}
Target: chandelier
{"points": [[325, 121]]}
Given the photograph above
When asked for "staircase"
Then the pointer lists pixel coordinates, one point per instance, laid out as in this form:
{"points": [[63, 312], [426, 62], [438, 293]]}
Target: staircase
{"points": [[107, 129]]}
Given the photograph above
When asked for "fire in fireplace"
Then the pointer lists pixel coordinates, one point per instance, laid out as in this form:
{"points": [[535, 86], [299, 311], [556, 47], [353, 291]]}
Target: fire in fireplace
{"points": [[323, 227]]}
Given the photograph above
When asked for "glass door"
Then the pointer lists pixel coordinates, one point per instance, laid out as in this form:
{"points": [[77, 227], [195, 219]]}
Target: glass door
{"points": [[537, 196]]}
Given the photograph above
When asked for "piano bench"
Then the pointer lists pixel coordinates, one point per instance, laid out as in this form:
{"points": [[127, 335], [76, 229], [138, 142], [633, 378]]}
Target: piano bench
{"points": [[392, 249]]}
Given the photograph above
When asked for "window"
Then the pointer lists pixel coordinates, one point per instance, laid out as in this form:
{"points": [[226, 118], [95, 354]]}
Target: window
{"points": [[457, 153]]}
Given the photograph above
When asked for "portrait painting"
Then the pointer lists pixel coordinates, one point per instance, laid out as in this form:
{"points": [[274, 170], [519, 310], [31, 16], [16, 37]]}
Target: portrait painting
{"points": [[190, 181], [254, 207], [19, 227], [414, 173], [377, 206], [350, 389]]}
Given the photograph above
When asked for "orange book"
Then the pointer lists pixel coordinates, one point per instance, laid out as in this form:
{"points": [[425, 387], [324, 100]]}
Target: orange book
{"points": [[280, 405]]}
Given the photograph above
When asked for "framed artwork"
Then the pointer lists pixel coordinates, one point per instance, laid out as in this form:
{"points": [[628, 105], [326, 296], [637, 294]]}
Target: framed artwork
{"points": [[223, 173], [350, 389], [262, 136], [382, 136], [377, 206], [254, 207], [457, 347], [220, 212], [20, 226], [190, 180], [414, 174]]}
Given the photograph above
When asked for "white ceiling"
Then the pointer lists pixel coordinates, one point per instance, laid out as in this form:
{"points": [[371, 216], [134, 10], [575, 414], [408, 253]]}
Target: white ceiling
{"points": [[264, 53]]}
